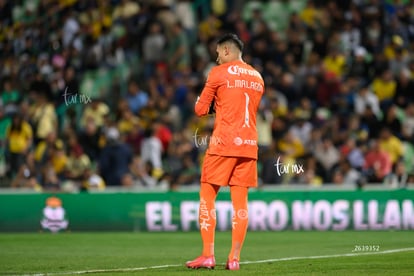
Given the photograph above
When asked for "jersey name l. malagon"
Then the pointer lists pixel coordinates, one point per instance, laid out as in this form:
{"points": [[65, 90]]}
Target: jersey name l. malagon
{"points": [[237, 89]]}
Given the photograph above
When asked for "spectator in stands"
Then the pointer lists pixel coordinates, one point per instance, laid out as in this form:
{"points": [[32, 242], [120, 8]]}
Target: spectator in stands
{"points": [[360, 66], [327, 155], [407, 127], [27, 176], [153, 46], [96, 110], [71, 28], [90, 138], [115, 159], [370, 121], [399, 63], [43, 150], [309, 88], [268, 173], [58, 159], [264, 127], [142, 173], [408, 157], [162, 132], [328, 89], [50, 160], [309, 177], [5, 121], [188, 174], [291, 146], [384, 86], [149, 113], [70, 85], [301, 127], [128, 122], [335, 62], [345, 174], [134, 137], [42, 112], [391, 120], [405, 86], [136, 98], [377, 164], [125, 10], [10, 96], [315, 137], [19, 138], [391, 144], [178, 50], [77, 163], [353, 128], [395, 47], [49, 179], [286, 86], [352, 151], [151, 151], [350, 37], [209, 27], [399, 176], [92, 181], [366, 98], [171, 114]]}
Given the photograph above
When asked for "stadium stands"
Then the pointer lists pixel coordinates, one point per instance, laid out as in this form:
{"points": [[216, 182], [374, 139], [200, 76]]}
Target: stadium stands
{"points": [[81, 78]]}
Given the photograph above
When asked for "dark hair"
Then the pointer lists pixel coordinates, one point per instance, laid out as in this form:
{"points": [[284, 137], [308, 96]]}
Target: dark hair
{"points": [[233, 38], [16, 126]]}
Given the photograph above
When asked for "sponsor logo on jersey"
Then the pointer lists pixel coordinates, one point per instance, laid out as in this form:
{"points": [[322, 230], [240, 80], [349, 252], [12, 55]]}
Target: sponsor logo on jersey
{"points": [[237, 70], [238, 141]]}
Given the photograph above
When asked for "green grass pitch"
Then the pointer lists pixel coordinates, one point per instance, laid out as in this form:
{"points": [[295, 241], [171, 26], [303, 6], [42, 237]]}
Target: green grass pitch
{"points": [[264, 253]]}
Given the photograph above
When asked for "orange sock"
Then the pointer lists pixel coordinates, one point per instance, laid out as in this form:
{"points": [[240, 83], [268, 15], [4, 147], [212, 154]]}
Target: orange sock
{"points": [[240, 220], [207, 216]]}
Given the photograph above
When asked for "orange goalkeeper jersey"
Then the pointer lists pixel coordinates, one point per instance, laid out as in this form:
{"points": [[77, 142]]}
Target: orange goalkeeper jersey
{"points": [[236, 88]]}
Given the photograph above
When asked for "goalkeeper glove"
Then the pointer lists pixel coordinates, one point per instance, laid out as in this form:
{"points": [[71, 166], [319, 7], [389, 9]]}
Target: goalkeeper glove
{"points": [[212, 109]]}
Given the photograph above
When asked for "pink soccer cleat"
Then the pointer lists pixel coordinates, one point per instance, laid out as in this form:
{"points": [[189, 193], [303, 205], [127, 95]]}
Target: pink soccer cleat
{"points": [[233, 264], [202, 262]]}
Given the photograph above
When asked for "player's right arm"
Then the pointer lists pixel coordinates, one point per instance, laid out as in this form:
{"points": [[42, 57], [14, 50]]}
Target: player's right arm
{"points": [[207, 97]]}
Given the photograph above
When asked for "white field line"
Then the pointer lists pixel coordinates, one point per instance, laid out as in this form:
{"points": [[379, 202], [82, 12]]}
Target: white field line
{"points": [[331, 256], [398, 250]]}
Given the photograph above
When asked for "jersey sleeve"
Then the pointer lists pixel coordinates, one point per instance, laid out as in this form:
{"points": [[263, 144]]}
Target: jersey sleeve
{"points": [[208, 94]]}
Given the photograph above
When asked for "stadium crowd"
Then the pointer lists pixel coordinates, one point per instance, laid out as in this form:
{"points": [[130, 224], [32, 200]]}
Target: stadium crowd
{"points": [[339, 100]]}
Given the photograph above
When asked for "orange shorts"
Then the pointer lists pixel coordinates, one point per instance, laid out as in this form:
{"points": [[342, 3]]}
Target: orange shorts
{"points": [[225, 170]]}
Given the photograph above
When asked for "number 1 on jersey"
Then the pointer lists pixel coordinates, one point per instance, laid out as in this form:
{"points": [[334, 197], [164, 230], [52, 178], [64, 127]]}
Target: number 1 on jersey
{"points": [[246, 112]]}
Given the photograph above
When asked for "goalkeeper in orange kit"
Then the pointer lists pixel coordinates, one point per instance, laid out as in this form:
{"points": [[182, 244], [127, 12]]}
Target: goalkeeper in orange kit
{"points": [[235, 89]]}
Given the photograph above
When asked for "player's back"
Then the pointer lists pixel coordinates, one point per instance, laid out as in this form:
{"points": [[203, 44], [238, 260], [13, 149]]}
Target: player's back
{"points": [[239, 88]]}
